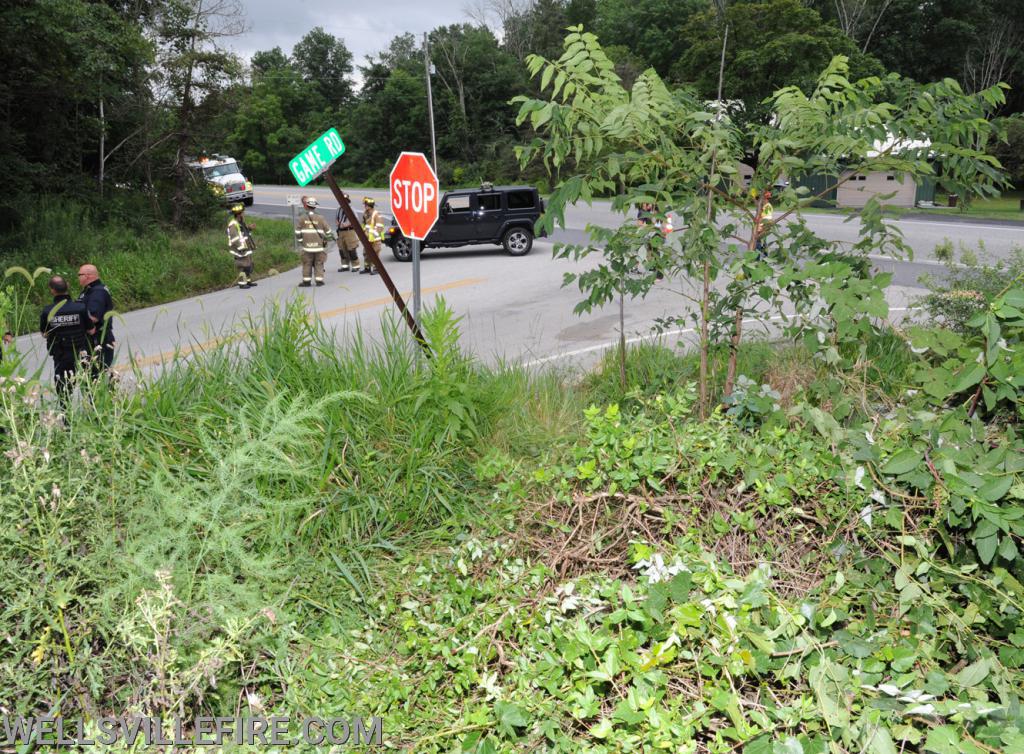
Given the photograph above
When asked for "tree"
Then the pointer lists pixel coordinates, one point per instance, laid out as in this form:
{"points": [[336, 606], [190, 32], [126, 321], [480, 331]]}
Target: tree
{"points": [[193, 66], [537, 28], [651, 144], [477, 78], [324, 61], [771, 44], [995, 54], [857, 19], [265, 61], [654, 30], [274, 119], [1011, 151]]}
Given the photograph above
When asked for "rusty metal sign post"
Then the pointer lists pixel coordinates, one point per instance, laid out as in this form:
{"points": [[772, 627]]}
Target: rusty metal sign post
{"points": [[357, 225], [316, 160]]}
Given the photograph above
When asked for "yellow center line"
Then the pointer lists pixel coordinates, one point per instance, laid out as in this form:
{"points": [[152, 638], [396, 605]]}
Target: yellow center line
{"points": [[185, 350], [405, 295]]}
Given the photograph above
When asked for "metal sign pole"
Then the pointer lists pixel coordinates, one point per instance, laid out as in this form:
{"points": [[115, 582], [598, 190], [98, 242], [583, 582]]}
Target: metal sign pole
{"points": [[416, 281], [372, 255], [430, 99]]}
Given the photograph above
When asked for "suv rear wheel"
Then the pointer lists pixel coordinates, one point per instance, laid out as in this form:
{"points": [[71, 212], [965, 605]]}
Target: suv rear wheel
{"points": [[402, 249], [517, 241]]}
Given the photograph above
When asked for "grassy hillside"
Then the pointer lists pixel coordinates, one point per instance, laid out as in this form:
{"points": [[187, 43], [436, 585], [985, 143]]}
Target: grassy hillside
{"points": [[497, 561], [142, 263]]}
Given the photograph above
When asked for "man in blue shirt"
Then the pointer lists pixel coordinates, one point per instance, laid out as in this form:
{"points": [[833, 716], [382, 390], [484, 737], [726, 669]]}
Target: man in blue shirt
{"points": [[98, 304]]}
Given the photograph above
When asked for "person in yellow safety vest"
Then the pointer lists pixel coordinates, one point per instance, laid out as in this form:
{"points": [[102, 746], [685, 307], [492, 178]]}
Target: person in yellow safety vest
{"points": [[241, 245], [373, 224], [766, 214], [313, 234]]}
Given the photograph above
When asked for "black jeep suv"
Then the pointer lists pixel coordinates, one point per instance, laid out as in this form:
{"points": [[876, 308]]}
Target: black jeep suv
{"points": [[500, 215]]}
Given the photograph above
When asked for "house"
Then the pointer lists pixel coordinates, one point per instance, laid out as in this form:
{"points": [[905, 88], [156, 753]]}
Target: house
{"points": [[856, 191]]}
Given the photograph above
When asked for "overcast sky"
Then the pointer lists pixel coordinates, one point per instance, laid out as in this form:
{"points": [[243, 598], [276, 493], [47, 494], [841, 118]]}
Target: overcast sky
{"points": [[366, 27]]}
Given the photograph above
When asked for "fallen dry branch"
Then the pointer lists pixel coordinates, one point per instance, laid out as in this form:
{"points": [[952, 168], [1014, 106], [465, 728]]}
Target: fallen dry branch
{"points": [[592, 533]]}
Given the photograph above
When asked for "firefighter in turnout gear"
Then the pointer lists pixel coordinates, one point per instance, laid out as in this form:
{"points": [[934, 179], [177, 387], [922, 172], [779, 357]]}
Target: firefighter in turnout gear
{"points": [[348, 242], [373, 224], [241, 245], [313, 234], [65, 324]]}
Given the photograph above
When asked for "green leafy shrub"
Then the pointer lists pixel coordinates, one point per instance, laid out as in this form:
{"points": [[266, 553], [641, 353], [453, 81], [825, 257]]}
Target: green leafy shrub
{"points": [[968, 285], [751, 404]]}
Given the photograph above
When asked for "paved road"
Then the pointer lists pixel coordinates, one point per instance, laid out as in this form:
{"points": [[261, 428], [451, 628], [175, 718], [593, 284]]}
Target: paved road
{"points": [[921, 233], [514, 309]]}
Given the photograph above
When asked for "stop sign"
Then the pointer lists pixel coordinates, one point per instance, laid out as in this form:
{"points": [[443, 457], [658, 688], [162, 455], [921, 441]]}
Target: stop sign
{"points": [[414, 195]]}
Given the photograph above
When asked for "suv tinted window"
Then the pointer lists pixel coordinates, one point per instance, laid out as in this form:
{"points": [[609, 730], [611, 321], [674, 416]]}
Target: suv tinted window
{"points": [[458, 203], [489, 201], [520, 200]]}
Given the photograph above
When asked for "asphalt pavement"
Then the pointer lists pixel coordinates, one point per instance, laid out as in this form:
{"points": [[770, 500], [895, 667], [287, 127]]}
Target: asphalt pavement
{"points": [[514, 309]]}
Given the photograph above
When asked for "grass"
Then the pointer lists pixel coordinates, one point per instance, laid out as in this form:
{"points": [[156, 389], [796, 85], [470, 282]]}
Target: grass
{"points": [[288, 526], [141, 264], [786, 367], [1005, 207], [271, 477]]}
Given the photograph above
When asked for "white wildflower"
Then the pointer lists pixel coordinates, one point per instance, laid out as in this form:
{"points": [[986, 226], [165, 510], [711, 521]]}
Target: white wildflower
{"points": [[858, 477], [655, 569]]}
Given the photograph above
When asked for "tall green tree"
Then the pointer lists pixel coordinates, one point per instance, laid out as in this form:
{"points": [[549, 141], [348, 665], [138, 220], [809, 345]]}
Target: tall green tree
{"points": [[651, 144], [194, 66], [475, 79], [325, 62], [390, 112], [654, 30], [274, 118], [771, 45], [265, 61]]}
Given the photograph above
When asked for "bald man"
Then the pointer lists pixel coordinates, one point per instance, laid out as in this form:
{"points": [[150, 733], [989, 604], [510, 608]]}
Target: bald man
{"points": [[98, 303]]}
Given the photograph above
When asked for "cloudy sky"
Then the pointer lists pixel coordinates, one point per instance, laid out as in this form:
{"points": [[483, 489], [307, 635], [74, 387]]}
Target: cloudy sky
{"points": [[366, 27]]}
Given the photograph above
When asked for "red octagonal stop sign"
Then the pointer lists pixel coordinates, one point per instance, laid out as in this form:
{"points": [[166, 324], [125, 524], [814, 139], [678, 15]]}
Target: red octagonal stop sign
{"points": [[414, 195]]}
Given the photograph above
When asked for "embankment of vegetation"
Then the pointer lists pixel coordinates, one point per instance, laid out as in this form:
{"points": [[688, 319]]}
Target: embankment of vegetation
{"points": [[285, 527]]}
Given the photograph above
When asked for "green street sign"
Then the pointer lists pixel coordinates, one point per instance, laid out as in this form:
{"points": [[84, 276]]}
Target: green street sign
{"points": [[317, 157]]}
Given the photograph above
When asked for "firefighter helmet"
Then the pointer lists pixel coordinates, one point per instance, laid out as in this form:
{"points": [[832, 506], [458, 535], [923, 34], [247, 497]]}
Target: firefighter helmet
{"points": [[309, 202], [369, 201], [237, 208]]}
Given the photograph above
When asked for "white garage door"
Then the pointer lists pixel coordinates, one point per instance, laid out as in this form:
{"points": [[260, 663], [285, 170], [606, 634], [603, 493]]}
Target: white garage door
{"points": [[856, 191]]}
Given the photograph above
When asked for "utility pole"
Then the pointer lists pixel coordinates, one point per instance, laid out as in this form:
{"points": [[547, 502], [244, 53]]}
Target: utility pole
{"points": [[430, 100]]}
